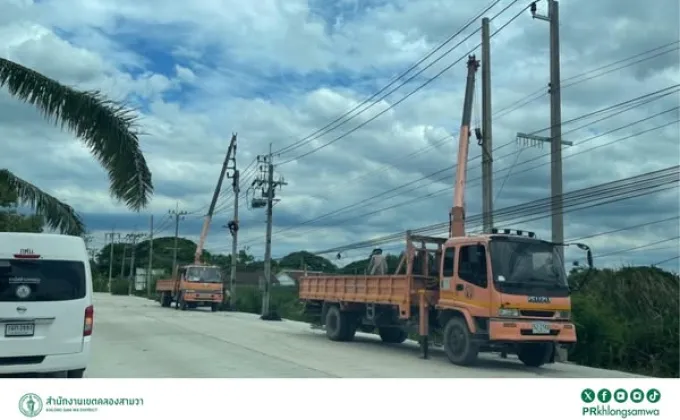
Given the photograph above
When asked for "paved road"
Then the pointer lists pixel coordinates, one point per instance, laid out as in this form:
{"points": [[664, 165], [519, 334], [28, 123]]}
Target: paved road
{"points": [[136, 338]]}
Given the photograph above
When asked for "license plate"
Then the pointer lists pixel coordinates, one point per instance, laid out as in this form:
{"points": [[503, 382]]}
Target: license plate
{"points": [[540, 328], [19, 330]]}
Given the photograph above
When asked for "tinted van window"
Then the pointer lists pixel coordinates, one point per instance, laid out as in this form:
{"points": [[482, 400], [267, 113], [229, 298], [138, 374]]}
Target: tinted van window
{"points": [[41, 280]]}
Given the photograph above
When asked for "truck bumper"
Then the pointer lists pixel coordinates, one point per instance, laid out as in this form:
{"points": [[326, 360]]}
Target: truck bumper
{"points": [[521, 330], [203, 297]]}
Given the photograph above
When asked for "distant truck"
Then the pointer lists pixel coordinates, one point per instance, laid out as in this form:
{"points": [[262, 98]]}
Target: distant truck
{"points": [[499, 291], [192, 286]]}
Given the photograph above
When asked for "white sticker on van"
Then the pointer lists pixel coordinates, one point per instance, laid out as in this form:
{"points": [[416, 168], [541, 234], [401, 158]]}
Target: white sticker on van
{"points": [[23, 291], [32, 280]]}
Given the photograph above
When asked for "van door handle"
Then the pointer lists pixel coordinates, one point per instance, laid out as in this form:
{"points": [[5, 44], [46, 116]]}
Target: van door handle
{"points": [[459, 287]]}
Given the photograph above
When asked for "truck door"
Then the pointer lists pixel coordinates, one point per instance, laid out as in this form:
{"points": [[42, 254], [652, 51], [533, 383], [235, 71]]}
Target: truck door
{"points": [[464, 279]]}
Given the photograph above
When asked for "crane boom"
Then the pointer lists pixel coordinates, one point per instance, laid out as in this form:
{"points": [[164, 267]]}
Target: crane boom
{"points": [[218, 187], [457, 216]]}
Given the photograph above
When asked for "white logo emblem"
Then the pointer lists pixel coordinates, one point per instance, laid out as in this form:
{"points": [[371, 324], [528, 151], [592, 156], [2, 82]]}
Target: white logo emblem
{"points": [[23, 291], [30, 405]]}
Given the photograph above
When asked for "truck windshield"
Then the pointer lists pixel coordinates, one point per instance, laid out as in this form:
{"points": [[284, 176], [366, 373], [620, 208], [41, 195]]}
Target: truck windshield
{"points": [[204, 274], [526, 261]]}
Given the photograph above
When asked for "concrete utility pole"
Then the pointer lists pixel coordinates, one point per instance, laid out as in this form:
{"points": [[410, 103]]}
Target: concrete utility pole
{"points": [[267, 184], [487, 142], [111, 236], [553, 18], [233, 229], [150, 267], [178, 215], [122, 263], [131, 276]]}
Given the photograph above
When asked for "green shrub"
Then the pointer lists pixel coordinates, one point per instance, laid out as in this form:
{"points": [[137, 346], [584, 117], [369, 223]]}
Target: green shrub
{"points": [[119, 287], [100, 284]]}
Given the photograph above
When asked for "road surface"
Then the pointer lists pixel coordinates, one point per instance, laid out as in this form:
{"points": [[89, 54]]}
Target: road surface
{"points": [[136, 338]]}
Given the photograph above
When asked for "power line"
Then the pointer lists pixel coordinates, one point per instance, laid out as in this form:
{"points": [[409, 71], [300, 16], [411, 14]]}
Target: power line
{"points": [[526, 100], [621, 251], [320, 132], [666, 260], [614, 189], [363, 203], [540, 91], [408, 95]]}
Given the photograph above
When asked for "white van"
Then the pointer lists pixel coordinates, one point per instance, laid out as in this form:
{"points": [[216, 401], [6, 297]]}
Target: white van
{"points": [[46, 311]]}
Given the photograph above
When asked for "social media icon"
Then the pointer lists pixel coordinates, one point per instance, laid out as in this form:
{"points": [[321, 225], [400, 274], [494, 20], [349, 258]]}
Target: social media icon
{"points": [[604, 396], [588, 395], [621, 395], [637, 395], [653, 395]]}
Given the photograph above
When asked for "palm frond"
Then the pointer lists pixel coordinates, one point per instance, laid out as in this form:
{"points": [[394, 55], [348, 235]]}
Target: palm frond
{"points": [[107, 128], [57, 215]]}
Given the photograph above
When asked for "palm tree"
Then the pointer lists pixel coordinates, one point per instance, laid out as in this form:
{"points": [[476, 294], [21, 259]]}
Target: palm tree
{"points": [[107, 128]]}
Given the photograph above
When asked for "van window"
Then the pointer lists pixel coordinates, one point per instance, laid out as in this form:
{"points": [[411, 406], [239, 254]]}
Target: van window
{"points": [[41, 280]]}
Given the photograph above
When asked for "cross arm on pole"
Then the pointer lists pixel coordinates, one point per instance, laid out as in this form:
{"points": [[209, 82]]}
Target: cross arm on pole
{"points": [[531, 137]]}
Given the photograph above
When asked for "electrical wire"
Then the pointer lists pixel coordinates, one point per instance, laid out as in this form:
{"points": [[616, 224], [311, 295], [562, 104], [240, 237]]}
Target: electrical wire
{"points": [[665, 261], [614, 189], [541, 92], [446, 170], [427, 82], [320, 132]]}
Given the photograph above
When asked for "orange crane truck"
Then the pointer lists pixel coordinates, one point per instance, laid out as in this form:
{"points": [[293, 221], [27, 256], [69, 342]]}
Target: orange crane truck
{"points": [[198, 284], [502, 291]]}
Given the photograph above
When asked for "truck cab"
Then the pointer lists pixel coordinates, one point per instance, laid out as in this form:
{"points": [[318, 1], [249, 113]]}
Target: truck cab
{"points": [[192, 286], [511, 291]]}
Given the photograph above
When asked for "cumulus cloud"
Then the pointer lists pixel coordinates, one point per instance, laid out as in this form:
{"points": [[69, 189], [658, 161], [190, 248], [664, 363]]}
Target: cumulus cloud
{"points": [[276, 71]]}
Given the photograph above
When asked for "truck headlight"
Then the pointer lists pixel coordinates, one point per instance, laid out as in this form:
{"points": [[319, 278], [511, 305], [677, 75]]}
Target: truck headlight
{"points": [[507, 312], [564, 314]]}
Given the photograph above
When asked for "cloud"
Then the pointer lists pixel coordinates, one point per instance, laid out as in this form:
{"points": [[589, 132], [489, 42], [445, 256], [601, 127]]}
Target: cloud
{"points": [[277, 71]]}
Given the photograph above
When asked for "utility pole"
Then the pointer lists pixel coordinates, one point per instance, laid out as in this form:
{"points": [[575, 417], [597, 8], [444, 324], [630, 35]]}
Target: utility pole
{"points": [[122, 263], [553, 18], [487, 142], [233, 229], [267, 184], [150, 267], [131, 276], [178, 215], [111, 237]]}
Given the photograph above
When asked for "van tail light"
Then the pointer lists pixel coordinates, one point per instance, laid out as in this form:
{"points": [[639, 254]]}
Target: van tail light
{"points": [[89, 321]]}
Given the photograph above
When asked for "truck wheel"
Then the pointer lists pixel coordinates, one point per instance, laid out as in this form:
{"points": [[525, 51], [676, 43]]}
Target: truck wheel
{"points": [[338, 325], [392, 335], [181, 303], [458, 344], [213, 307], [534, 354]]}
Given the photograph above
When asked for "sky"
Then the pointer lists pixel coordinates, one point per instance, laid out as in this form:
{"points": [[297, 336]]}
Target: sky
{"points": [[276, 72]]}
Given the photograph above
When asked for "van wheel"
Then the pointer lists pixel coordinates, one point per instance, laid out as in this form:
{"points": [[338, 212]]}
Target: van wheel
{"points": [[534, 354], [458, 343], [392, 335], [76, 373], [339, 325]]}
